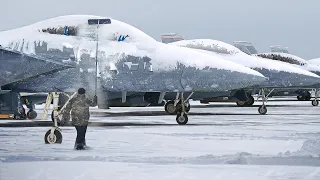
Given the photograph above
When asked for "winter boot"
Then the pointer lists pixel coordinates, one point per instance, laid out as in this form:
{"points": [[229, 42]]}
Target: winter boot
{"points": [[78, 146]]}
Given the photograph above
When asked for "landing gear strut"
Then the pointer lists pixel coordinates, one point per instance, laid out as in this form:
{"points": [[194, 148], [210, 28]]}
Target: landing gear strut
{"points": [[54, 134], [263, 108], [182, 114], [315, 102], [172, 107]]}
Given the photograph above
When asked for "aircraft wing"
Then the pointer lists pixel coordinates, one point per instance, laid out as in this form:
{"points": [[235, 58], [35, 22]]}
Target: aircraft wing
{"points": [[16, 66]]}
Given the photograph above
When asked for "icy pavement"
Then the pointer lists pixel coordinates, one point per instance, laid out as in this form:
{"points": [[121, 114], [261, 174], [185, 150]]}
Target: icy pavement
{"points": [[225, 142]]}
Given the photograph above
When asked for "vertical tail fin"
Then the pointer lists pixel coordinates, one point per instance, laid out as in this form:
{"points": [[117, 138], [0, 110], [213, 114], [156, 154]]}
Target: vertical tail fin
{"points": [[245, 47], [170, 37]]}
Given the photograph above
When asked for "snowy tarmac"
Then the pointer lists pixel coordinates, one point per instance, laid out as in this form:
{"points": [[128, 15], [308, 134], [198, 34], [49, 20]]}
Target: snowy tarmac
{"points": [[221, 141]]}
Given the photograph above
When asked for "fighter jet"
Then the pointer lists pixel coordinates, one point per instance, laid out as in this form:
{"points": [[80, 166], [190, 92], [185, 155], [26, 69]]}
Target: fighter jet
{"points": [[281, 74], [104, 55], [303, 94], [281, 53]]}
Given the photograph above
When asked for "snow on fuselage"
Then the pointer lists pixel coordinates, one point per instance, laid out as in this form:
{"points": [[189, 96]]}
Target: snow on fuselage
{"points": [[315, 61], [292, 59], [280, 74], [128, 59]]}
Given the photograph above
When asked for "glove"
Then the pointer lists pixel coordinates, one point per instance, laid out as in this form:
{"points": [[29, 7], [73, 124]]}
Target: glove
{"points": [[64, 118]]}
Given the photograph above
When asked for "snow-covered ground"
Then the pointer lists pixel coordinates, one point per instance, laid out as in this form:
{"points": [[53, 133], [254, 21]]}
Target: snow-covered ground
{"points": [[231, 143]]}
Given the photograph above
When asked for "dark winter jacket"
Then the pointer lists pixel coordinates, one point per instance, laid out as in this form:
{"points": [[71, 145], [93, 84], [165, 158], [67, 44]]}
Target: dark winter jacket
{"points": [[79, 107]]}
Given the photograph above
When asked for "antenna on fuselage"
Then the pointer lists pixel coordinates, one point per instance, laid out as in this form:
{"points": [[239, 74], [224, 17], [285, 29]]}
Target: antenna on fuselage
{"points": [[97, 22]]}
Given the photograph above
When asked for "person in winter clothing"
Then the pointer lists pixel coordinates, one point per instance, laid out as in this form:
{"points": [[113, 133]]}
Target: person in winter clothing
{"points": [[80, 115]]}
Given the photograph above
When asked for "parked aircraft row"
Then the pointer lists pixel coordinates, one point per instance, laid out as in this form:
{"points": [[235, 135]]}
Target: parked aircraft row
{"points": [[122, 65]]}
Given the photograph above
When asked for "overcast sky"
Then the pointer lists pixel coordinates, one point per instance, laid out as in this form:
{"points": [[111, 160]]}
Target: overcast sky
{"points": [[292, 23]]}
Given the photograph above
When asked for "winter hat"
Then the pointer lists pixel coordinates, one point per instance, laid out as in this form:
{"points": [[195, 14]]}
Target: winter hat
{"points": [[81, 91]]}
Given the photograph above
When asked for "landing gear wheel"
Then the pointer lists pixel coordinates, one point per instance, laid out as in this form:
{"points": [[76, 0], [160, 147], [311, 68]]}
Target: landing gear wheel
{"points": [[315, 103], [32, 114], [170, 108], [241, 103], [250, 101], [300, 98], [262, 109], [308, 97], [56, 137], [179, 108], [304, 97], [182, 120], [247, 103]]}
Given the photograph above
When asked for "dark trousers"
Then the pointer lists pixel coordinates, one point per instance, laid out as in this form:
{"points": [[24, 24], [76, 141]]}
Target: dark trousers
{"points": [[81, 134]]}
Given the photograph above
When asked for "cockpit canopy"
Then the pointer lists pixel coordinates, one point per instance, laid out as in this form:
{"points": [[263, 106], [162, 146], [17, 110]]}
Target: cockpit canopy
{"points": [[94, 27]]}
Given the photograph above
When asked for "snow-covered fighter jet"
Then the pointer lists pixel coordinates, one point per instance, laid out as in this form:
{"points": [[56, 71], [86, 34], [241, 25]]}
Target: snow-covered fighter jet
{"points": [[105, 55], [282, 75]]}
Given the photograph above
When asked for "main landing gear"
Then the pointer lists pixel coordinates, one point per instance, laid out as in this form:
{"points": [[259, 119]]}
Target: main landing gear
{"points": [[173, 106], [306, 97], [180, 107], [263, 108], [247, 103]]}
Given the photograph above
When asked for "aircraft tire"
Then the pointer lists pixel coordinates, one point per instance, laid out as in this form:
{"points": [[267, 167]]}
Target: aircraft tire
{"points": [[241, 103], [315, 103], [262, 109], [32, 114], [182, 120], [250, 102], [308, 97], [300, 98], [169, 108], [55, 139]]}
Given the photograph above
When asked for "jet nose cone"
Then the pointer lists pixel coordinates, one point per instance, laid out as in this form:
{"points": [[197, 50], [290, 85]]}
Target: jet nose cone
{"points": [[219, 80]]}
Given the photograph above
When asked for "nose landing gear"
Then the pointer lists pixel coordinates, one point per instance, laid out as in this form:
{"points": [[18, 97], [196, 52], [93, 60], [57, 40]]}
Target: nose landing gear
{"points": [[315, 102], [180, 107], [182, 114], [263, 108], [54, 134]]}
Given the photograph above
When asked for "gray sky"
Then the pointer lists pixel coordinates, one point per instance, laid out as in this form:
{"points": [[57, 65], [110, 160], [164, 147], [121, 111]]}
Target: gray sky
{"points": [[292, 23]]}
